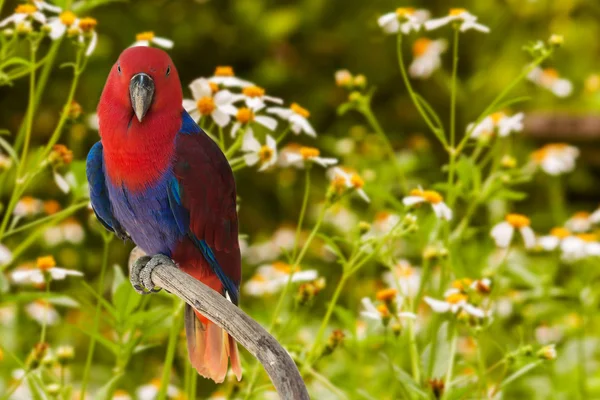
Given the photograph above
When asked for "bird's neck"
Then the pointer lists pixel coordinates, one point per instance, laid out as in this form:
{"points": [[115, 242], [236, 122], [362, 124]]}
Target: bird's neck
{"points": [[137, 155]]}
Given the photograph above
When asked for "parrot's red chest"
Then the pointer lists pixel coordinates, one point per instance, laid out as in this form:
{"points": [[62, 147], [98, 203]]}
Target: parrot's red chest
{"points": [[136, 154]]}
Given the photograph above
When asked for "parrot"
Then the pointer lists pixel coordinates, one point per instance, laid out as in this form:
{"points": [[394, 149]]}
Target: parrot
{"points": [[156, 178]]}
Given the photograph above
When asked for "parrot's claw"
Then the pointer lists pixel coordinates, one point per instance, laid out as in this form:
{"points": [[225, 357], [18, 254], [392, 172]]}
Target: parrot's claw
{"points": [[141, 273]]}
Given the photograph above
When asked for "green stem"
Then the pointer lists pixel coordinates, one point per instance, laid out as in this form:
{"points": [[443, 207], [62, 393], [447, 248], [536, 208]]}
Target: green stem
{"points": [[453, 88], [414, 352], [171, 346], [452, 355], [90, 355], [556, 195], [50, 218], [45, 321], [221, 138], [482, 368], [438, 131], [283, 134], [368, 113], [302, 210]]}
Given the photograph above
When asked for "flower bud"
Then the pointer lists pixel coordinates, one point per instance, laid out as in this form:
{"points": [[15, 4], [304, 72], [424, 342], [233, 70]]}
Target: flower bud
{"points": [[547, 352], [65, 354], [556, 40]]}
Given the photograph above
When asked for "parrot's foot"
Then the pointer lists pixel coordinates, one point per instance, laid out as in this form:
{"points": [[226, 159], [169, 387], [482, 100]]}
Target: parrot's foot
{"points": [[140, 275]]}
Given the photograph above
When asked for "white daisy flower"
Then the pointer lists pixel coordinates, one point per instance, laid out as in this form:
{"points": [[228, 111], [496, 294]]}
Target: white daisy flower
{"points": [[151, 389], [454, 302], [498, 122], [271, 278], [556, 158], [404, 277], [5, 254], [246, 116], [381, 313], [595, 217], [297, 117], [208, 100], [86, 28], [504, 231], [580, 246], [149, 38], [224, 76], [255, 97], [42, 312], [60, 24], [45, 266], [552, 241], [580, 222], [550, 79], [342, 181], [68, 231], [255, 152], [24, 12], [427, 57], [28, 206], [297, 156], [121, 395], [343, 78], [403, 20], [417, 196], [468, 21]]}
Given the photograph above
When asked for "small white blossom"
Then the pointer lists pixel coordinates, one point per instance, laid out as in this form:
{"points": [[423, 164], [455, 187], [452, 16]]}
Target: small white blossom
{"points": [[150, 390], [427, 57], [342, 181], [418, 196], [149, 38], [552, 241], [271, 278], [580, 222], [467, 21], [556, 158], [504, 231], [297, 156], [23, 13], [224, 76], [208, 100], [373, 313], [403, 20], [405, 278], [498, 122], [297, 117], [549, 79], [45, 267], [255, 152], [255, 97], [454, 302], [42, 312]]}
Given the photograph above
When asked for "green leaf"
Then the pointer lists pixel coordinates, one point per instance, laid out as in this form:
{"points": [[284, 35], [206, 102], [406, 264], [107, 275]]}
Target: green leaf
{"points": [[519, 373], [509, 194], [344, 108], [107, 305], [125, 300], [333, 246], [346, 317], [408, 380], [15, 61], [106, 391], [440, 364], [118, 279], [439, 131], [36, 392], [113, 347]]}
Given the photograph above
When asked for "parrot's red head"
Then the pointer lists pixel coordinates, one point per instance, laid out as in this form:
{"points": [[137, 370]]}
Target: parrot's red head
{"points": [[139, 115], [145, 81]]}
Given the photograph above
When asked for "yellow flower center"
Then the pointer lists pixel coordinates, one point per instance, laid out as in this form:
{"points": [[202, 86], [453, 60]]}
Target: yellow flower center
{"points": [[339, 184], [518, 220], [456, 298], [156, 382], [404, 271], [295, 107], [457, 11], [430, 196], [420, 46], [144, 36], [265, 153], [404, 11], [588, 237], [45, 263], [67, 18], [386, 294], [224, 71], [497, 116], [26, 9], [309, 152], [281, 266], [87, 24], [357, 181], [206, 105], [560, 232], [213, 87], [462, 284], [253, 91], [581, 215], [383, 311], [245, 115], [550, 73]]}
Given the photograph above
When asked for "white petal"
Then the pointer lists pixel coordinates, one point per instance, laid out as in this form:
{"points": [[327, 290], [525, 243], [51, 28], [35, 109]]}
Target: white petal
{"points": [[162, 42], [305, 276], [283, 113], [200, 88], [439, 22], [234, 129], [220, 118], [325, 162], [57, 28], [389, 23], [223, 97], [5, 255], [412, 200], [528, 237], [8, 20], [251, 159], [442, 211], [92, 45], [267, 122], [502, 234], [562, 88], [189, 105], [303, 124], [474, 311], [363, 195], [549, 242], [437, 305], [141, 43], [61, 182], [39, 17], [250, 143]]}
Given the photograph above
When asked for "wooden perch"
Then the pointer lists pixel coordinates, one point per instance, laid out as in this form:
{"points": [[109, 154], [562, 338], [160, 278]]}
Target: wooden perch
{"points": [[277, 362]]}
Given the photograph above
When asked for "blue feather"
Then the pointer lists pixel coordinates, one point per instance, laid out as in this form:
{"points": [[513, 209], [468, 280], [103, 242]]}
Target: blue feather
{"points": [[188, 125]]}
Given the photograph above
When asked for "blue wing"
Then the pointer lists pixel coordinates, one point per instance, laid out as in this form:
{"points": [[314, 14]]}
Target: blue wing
{"points": [[99, 192], [182, 217]]}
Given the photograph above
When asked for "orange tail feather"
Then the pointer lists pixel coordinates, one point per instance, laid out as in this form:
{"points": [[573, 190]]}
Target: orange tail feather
{"points": [[209, 347]]}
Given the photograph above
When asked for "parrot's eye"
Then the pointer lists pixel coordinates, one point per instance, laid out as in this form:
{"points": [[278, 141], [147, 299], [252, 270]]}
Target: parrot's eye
{"points": [[168, 70], [119, 68]]}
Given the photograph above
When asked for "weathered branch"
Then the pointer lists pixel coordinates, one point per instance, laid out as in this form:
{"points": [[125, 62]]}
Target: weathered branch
{"points": [[277, 362]]}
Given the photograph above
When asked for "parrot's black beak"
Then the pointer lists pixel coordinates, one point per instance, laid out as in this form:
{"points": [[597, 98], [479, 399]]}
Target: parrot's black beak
{"points": [[141, 91]]}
